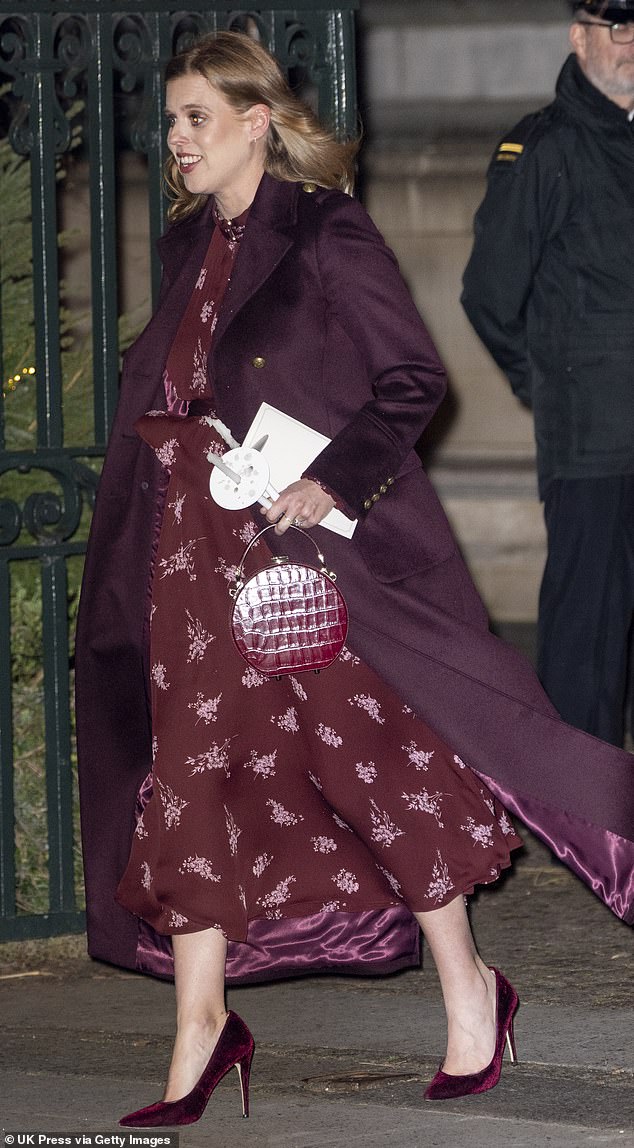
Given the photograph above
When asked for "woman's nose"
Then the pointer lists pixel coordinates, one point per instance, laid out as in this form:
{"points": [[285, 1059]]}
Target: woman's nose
{"points": [[175, 135]]}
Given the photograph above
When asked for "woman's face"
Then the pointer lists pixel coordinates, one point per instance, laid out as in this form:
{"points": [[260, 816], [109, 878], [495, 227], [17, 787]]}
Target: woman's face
{"points": [[219, 151]]}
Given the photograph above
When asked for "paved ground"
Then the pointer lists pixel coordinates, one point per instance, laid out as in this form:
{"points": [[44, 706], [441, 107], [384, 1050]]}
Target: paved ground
{"points": [[343, 1061]]}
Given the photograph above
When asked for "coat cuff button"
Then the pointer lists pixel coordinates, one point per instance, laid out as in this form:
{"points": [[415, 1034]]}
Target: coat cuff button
{"points": [[367, 505], [258, 361]]}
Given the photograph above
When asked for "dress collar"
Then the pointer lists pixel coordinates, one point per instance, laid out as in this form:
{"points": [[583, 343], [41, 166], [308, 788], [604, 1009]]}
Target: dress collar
{"points": [[232, 229]]}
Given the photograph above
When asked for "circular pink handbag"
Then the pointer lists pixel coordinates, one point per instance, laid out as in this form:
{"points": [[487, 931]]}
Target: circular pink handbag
{"points": [[288, 617]]}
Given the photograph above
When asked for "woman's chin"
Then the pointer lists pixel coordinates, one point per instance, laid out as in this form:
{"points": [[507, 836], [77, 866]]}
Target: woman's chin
{"points": [[193, 183]]}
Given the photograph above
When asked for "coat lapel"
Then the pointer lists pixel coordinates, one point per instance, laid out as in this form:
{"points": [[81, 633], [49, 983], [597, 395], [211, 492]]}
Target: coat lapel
{"points": [[182, 249], [268, 236], [184, 242]]}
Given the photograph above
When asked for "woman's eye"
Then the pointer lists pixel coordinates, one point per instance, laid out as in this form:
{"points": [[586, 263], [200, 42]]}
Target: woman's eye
{"points": [[196, 120]]}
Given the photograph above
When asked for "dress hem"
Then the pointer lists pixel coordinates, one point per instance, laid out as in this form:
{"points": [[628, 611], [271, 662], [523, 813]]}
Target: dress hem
{"points": [[305, 910]]}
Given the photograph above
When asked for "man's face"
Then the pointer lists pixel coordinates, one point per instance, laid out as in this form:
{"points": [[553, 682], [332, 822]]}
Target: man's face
{"points": [[610, 67]]}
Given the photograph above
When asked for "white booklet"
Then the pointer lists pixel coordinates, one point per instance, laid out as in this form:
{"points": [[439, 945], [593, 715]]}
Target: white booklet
{"points": [[289, 449]]}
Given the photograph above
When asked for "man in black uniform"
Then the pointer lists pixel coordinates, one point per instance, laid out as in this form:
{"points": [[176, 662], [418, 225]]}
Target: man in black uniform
{"points": [[550, 290]]}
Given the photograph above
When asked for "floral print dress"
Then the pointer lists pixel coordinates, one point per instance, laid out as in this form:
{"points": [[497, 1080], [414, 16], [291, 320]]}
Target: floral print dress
{"points": [[276, 797]]}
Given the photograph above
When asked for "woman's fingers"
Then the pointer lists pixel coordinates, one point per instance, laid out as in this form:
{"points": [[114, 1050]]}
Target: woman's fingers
{"points": [[302, 504]]}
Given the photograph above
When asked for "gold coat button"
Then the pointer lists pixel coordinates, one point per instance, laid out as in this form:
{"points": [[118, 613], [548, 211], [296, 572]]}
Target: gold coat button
{"points": [[309, 186], [367, 505], [375, 497], [383, 488], [390, 481], [258, 361]]}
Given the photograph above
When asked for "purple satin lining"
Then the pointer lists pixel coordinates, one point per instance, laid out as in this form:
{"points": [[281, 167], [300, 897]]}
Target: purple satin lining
{"points": [[361, 944], [377, 941], [601, 859], [385, 940]]}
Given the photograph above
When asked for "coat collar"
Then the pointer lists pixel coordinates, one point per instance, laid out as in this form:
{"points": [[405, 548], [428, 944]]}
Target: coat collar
{"points": [[268, 236], [583, 101], [181, 240]]}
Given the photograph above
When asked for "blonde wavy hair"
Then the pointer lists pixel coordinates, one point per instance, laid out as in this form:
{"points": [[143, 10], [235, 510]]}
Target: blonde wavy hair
{"points": [[298, 146]]}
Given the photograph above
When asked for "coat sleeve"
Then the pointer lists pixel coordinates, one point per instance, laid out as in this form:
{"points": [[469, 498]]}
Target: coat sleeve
{"points": [[524, 205], [368, 298]]}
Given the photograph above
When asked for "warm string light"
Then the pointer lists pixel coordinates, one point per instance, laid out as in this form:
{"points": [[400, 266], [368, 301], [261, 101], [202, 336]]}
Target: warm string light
{"points": [[13, 381]]}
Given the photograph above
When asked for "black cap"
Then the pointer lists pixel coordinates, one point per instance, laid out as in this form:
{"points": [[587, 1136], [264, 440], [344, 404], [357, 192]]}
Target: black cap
{"points": [[616, 11]]}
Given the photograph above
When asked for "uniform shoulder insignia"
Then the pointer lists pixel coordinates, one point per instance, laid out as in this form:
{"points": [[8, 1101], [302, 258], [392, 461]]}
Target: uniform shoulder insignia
{"points": [[509, 150], [521, 138]]}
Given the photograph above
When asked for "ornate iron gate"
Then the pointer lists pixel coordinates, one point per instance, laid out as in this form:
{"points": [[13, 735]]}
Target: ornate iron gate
{"points": [[80, 87]]}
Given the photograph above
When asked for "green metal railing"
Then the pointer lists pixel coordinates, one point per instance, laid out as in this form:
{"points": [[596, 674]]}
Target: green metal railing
{"points": [[84, 79]]}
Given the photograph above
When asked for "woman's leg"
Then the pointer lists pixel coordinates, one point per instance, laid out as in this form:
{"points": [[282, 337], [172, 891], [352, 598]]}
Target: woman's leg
{"points": [[199, 973], [468, 988]]}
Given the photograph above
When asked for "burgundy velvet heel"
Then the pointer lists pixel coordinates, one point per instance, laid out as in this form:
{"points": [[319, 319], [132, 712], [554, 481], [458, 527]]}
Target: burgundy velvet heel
{"points": [[234, 1049], [446, 1087]]}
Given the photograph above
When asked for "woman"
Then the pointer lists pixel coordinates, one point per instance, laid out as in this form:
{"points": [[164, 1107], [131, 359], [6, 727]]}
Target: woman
{"points": [[278, 288]]}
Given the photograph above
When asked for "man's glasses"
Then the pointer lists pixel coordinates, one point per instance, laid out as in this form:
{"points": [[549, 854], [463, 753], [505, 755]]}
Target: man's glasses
{"points": [[619, 33]]}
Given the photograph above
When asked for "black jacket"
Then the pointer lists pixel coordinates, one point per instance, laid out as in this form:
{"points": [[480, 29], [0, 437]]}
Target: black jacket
{"points": [[550, 284]]}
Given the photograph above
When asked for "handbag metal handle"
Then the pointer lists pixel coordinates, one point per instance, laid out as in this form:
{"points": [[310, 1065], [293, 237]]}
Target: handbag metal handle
{"points": [[277, 558]]}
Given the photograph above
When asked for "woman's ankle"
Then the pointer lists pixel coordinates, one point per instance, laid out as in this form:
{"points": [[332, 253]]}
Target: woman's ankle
{"points": [[200, 1027], [196, 1039]]}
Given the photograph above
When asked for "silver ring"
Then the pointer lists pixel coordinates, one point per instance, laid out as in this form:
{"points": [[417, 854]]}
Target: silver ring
{"points": [[297, 521]]}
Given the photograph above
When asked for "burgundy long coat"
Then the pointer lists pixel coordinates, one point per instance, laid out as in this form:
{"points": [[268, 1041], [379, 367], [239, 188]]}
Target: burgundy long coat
{"points": [[318, 322]]}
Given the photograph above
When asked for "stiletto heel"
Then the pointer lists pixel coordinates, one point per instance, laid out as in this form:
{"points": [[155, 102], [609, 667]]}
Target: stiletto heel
{"points": [[510, 1042], [446, 1087], [244, 1071], [234, 1049]]}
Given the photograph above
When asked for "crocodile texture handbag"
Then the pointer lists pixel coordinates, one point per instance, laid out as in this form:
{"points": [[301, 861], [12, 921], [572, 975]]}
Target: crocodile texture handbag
{"points": [[288, 617]]}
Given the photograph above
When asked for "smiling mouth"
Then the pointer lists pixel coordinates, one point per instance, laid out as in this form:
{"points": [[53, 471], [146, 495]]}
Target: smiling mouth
{"points": [[187, 163]]}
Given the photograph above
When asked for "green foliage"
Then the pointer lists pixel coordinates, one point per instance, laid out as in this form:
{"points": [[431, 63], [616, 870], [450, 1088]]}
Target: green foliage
{"points": [[16, 299], [19, 408], [17, 316], [16, 276], [29, 737], [26, 629]]}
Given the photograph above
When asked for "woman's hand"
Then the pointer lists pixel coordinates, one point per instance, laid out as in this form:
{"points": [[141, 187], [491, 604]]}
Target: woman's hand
{"points": [[303, 503]]}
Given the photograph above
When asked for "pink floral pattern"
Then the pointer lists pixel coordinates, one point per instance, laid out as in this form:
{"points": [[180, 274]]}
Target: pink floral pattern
{"points": [[201, 866], [258, 779], [367, 773], [277, 798], [371, 706], [206, 708]]}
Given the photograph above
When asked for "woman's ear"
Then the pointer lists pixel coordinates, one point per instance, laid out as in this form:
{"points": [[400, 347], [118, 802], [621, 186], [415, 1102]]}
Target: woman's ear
{"points": [[259, 117]]}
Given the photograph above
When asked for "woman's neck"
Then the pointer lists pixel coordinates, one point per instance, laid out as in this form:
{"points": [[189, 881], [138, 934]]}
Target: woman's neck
{"points": [[234, 201]]}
